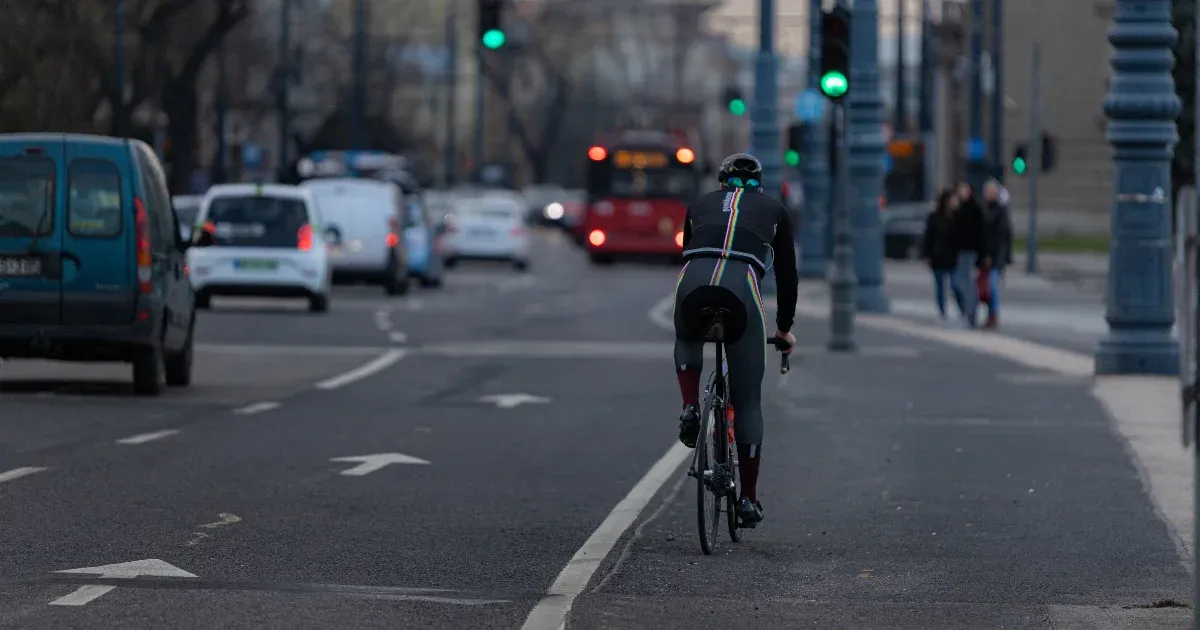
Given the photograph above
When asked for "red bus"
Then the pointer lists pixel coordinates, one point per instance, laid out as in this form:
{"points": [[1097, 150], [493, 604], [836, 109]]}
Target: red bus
{"points": [[639, 184]]}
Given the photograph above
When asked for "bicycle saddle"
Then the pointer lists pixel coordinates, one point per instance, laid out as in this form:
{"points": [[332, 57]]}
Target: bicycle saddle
{"points": [[716, 315]]}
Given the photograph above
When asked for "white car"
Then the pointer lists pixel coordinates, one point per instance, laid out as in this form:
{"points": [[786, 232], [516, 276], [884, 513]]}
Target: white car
{"points": [[365, 221], [186, 209], [260, 240], [489, 227]]}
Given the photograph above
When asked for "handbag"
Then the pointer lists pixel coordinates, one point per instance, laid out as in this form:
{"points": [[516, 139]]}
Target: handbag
{"points": [[983, 286]]}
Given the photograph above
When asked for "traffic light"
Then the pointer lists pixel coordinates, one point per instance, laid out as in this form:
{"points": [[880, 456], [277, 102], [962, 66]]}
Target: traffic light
{"points": [[835, 52], [795, 144], [734, 100], [491, 24], [1049, 152], [1020, 161]]}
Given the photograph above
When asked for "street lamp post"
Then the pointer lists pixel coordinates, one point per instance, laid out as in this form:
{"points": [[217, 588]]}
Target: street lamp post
{"points": [[814, 167], [865, 114], [766, 109], [1141, 109]]}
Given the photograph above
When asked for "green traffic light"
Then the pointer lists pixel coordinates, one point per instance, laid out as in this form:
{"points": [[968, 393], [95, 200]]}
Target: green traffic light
{"points": [[834, 84], [792, 157], [1019, 166], [494, 39], [737, 107]]}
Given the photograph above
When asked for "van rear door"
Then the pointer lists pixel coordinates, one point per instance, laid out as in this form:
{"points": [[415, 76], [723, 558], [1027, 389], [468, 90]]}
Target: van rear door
{"points": [[30, 241], [98, 283]]}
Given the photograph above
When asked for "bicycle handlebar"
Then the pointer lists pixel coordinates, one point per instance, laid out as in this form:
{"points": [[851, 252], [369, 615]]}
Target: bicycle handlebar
{"points": [[781, 345]]}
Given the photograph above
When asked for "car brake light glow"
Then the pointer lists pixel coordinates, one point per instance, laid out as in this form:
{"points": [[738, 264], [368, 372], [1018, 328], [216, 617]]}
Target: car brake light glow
{"points": [[392, 239], [304, 238], [679, 239], [597, 153], [685, 155], [145, 259], [596, 238]]}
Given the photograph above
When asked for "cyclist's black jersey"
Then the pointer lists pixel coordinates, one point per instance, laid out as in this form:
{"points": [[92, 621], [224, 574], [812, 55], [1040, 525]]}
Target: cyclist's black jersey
{"points": [[742, 225]]}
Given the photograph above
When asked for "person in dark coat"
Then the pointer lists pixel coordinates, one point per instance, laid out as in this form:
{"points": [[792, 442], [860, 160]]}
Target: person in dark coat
{"points": [[937, 249], [966, 236], [997, 245]]}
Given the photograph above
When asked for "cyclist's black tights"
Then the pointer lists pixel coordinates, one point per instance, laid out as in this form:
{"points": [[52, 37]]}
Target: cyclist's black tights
{"points": [[746, 358]]}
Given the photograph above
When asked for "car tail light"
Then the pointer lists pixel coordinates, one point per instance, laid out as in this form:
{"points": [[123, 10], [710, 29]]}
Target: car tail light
{"points": [[145, 258], [393, 237], [304, 238], [679, 239], [597, 238]]}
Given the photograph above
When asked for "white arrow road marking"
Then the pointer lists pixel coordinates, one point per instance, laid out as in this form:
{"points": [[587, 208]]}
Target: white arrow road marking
{"points": [[142, 438], [376, 365], [368, 464], [508, 401], [122, 570], [17, 473], [226, 519]]}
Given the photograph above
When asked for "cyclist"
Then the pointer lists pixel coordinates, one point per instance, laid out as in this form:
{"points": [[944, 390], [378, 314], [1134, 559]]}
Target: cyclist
{"points": [[726, 238]]}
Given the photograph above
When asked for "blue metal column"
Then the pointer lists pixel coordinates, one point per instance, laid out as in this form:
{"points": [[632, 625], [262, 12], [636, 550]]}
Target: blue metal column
{"points": [[118, 95], [996, 141], [814, 167], [358, 107], [1141, 108], [765, 117], [865, 117]]}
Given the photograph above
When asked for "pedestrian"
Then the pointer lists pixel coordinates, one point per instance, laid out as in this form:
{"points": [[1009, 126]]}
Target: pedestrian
{"points": [[997, 248], [966, 234], [937, 249]]}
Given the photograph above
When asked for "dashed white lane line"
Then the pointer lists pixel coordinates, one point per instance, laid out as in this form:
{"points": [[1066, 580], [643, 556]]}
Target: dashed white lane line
{"points": [[258, 407], [375, 366], [383, 320], [551, 612], [142, 438], [17, 473]]}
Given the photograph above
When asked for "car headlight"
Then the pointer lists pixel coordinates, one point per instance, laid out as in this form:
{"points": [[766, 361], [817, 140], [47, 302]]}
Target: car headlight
{"points": [[553, 211]]}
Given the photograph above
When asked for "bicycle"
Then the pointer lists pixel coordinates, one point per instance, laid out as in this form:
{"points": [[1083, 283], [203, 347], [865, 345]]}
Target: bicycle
{"points": [[713, 467]]}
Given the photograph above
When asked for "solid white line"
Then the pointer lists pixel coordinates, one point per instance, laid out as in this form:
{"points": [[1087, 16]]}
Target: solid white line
{"points": [[17, 473], [142, 438], [375, 366], [257, 407], [82, 595], [551, 612]]}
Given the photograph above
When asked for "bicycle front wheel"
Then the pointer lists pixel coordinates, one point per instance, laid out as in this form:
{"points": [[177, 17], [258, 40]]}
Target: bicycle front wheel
{"points": [[708, 502]]}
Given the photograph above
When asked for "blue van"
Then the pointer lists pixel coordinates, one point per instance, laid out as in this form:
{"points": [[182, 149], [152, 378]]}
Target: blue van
{"points": [[92, 265]]}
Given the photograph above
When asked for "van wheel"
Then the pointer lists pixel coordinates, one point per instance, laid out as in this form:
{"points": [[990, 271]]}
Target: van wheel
{"points": [[203, 300], [149, 371], [318, 303], [396, 286], [179, 364], [431, 282], [521, 265], [450, 263]]}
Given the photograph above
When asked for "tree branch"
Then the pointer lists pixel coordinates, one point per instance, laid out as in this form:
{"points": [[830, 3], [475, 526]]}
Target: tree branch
{"points": [[231, 13]]}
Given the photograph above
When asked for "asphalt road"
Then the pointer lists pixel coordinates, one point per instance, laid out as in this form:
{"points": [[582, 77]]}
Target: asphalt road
{"points": [[523, 427]]}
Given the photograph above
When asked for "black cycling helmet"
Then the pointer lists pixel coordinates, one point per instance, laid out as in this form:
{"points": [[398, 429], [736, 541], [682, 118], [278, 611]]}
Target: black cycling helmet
{"points": [[741, 170]]}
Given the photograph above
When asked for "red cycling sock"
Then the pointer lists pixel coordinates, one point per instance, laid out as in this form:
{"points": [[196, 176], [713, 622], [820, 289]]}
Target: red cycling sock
{"points": [[749, 458], [689, 386]]}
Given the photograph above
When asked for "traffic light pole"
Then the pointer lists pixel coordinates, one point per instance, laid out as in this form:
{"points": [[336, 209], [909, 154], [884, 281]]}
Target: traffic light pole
{"points": [[477, 157], [1035, 167], [1141, 108], [843, 283]]}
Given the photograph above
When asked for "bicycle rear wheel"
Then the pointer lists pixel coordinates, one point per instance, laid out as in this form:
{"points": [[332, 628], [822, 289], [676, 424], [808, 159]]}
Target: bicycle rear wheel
{"points": [[708, 503]]}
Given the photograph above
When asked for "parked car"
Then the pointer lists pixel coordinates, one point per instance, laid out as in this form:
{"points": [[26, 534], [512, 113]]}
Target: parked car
{"points": [[489, 227], [187, 207], [425, 261], [904, 229], [91, 260], [365, 223], [260, 240]]}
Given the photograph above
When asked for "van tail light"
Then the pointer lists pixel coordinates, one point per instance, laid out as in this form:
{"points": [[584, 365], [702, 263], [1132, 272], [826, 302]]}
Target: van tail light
{"points": [[393, 237], [145, 258], [304, 238]]}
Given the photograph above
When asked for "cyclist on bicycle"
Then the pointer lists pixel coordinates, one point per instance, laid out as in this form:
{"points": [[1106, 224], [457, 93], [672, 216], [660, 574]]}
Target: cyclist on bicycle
{"points": [[726, 239]]}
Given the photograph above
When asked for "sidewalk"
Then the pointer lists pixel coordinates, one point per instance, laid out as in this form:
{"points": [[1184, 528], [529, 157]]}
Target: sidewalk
{"points": [[938, 488]]}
